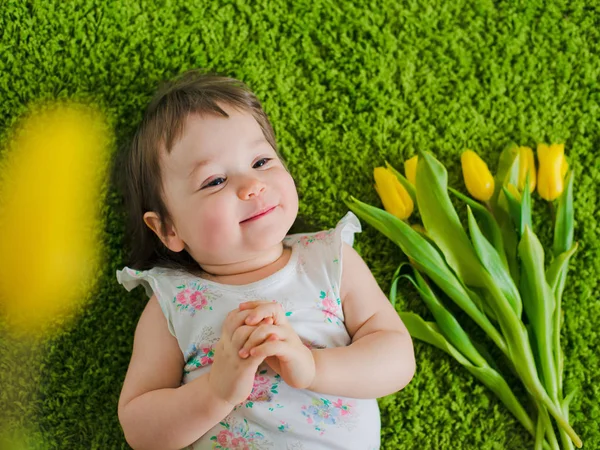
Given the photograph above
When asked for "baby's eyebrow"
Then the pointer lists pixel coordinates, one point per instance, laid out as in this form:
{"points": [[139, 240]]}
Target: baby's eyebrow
{"points": [[205, 162], [199, 164]]}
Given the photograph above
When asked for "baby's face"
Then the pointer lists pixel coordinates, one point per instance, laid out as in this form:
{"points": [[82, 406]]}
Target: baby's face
{"points": [[221, 173]]}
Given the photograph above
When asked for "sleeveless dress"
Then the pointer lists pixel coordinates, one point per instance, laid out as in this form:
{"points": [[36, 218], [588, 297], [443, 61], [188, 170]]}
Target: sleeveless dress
{"points": [[275, 415]]}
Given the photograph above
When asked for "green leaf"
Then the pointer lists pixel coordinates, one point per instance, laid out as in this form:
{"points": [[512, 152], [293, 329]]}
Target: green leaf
{"points": [[514, 208], [430, 333], [507, 167], [493, 264], [499, 204], [539, 433], [512, 174], [442, 222], [427, 259], [563, 226], [478, 295], [489, 226], [446, 322], [558, 266], [539, 304], [525, 208], [394, 287], [516, 345], [556, 275]]}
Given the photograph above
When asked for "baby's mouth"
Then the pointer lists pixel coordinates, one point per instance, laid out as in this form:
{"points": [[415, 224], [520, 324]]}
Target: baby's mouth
{"points": [[259, 214]]}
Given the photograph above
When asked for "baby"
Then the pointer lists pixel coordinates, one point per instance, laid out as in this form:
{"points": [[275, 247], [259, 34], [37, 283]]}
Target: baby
{"points": [[252, 338]]}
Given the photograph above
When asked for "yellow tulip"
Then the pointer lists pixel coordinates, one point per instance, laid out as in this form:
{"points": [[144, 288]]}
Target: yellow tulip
{"points": [[410, 169], [553, 167], [526, 166], [477, 176], [50, 220], [393, 195]]}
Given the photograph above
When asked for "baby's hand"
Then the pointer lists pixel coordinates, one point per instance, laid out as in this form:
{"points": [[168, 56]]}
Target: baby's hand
{"points": [[232, 377], [275, 339]]}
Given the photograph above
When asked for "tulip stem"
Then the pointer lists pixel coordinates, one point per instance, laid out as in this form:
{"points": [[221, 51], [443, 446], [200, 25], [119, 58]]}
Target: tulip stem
{"points": [[488, 205], [552, 211]]}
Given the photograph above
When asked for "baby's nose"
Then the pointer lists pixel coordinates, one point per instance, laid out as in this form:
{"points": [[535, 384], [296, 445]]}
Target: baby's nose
{"points": [[251, 188]]}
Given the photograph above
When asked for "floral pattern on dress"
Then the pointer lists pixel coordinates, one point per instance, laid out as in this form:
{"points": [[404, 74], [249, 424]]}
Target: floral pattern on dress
{"points": [[263, 390], [193, 297], [306, 240], [238, 436], [331, 306], [288, 306], [322, 412], [201, 351], [197, 356], [284, 427]]}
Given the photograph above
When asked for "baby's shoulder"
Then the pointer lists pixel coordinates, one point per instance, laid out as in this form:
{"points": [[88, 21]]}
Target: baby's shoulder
{"points": [[333, 237]]}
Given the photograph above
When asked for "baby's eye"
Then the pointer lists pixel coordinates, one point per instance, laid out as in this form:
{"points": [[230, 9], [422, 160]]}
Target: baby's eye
{"points": [[261, 162], [215, 182]]}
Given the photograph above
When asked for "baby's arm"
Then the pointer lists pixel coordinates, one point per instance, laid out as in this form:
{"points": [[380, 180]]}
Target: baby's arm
{"points": [[380, 360], [154, 410]]}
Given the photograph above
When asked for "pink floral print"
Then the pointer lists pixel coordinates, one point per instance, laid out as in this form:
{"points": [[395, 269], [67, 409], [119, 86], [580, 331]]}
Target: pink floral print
{"points": [[331, 307], [197, 356], [239, 437], [322, 412], [192, 298], [264, 388], [306, 240]]}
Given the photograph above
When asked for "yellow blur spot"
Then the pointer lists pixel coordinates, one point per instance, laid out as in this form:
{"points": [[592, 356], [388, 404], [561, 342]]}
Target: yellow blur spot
{"points": [[51, 185]]}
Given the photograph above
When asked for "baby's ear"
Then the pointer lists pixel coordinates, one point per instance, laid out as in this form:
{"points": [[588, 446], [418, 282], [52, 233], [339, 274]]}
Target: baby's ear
{"points": [[171, 240]]}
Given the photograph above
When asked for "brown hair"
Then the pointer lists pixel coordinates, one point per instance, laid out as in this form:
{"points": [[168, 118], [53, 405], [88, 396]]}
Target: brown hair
{"points": [[139, 176]]}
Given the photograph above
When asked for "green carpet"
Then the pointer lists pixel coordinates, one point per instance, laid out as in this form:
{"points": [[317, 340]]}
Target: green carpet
{"points": [[346, 87]]}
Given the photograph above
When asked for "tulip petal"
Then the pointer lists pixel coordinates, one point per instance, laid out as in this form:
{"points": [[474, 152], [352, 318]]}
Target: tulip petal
{"points": [[526, 167], [550, 176], [477, 176], [410, 169], [394, 197], [410, 188]]}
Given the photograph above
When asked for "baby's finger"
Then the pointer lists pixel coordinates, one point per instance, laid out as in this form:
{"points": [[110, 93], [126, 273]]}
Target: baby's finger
{"points": [[240, 336], [267, 310], [233, 321], [253, 304], [259, 335], [280, 349]]}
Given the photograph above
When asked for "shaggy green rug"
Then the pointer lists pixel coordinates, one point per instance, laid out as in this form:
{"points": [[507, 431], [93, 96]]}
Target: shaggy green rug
{"points": [[347, 86]]}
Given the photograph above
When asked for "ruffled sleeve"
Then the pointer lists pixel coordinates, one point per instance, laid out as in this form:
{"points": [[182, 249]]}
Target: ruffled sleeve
{"points": [[344, 232], [151, 281], [347, 226]]}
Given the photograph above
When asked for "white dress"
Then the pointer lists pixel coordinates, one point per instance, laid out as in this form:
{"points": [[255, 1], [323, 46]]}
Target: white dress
{"points": [[275, 415]]}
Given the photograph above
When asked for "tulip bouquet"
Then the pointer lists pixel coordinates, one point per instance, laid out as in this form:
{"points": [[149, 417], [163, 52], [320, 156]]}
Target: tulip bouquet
{"points": [[493, 268]]}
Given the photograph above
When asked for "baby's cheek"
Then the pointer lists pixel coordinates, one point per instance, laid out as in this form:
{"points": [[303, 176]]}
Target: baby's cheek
{"points": [[215, 229]]}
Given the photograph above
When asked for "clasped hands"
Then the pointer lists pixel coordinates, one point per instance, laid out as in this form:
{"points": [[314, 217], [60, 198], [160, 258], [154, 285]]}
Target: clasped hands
{"points": [[258, 331], [271, 336]]}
